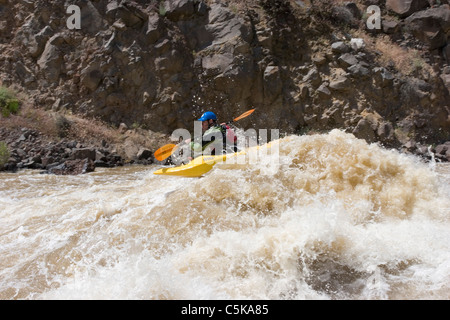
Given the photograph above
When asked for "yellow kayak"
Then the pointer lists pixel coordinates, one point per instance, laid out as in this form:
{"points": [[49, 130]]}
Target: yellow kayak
{"points": [[203, 164], [197, 167]]}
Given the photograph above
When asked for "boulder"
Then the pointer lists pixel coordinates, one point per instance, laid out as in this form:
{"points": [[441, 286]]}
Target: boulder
{"points": [[313, 77], [51, 60], [37, 45], [73, 167], [357, 44], [130, 15], [144, 154], [176, 10], [84, 153], [353, 8], [347, 60], [91, 76], [431, 26], [323, 91], [347, 14], [359, 70], [405, 8], [442, 151], [390, 26], [340, 47], [365, 130], [385, 132], [340, 84], [442, 148]]}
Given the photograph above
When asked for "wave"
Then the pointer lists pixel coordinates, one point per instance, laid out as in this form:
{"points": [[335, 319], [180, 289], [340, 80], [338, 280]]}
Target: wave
{"points": [[326, 217]]}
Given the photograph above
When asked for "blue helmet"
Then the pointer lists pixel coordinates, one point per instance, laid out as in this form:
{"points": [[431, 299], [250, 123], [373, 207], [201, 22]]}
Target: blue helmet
{"points": [[208, 115]]}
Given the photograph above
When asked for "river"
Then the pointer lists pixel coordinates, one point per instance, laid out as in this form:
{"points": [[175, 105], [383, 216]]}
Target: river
{"points": [[331, 217]]}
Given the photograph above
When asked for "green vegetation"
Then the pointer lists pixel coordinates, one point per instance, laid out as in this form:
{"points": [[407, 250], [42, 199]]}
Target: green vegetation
{"points": [[8, 102], [63, 126], [4, 154]]}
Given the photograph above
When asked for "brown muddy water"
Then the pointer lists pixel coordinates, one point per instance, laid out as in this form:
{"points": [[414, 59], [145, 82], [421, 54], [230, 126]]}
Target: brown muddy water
{"points": [[330, 217]]}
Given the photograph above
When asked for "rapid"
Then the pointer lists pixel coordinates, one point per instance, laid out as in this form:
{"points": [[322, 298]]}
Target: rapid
{"points": [[329, 217]]}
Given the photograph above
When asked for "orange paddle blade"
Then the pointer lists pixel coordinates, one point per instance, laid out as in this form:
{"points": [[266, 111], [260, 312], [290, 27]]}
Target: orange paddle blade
{"points": [[245, 114], [164, 152]]}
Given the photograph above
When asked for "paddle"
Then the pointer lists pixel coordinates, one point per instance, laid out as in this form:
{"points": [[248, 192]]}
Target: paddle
{"points": [[245, 114], [167, 150]]}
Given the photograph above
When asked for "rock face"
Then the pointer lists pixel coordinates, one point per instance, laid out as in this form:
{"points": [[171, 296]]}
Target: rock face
{"points": [[160, 64]]}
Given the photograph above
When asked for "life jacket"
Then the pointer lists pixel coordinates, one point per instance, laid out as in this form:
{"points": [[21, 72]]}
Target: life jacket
{"points": [[231, 135], [229, 138]]}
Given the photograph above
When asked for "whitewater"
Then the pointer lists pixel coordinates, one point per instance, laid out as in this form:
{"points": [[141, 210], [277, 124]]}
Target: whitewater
{"points": [[328, 217]]}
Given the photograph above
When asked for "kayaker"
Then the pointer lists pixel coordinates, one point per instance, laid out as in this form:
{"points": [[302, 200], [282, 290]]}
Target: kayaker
{"points": [[211, 129]]}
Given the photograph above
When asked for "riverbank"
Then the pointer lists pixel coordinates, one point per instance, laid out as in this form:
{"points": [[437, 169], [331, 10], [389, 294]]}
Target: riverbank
{"points": [[74, 154], [67, 144]]}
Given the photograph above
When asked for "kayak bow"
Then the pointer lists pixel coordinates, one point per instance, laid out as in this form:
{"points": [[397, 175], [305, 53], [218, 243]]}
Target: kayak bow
{"points": [[195, 168]]}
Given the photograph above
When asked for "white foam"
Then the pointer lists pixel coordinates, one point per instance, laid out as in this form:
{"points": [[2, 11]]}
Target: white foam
{"points": [[336, 219]]}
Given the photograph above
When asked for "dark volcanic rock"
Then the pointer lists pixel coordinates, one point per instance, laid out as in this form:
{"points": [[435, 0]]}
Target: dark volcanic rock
{"points": [[73, 167]]}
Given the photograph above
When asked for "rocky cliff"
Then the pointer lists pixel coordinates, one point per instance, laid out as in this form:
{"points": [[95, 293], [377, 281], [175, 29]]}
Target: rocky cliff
{"points": [[305, 65]]}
